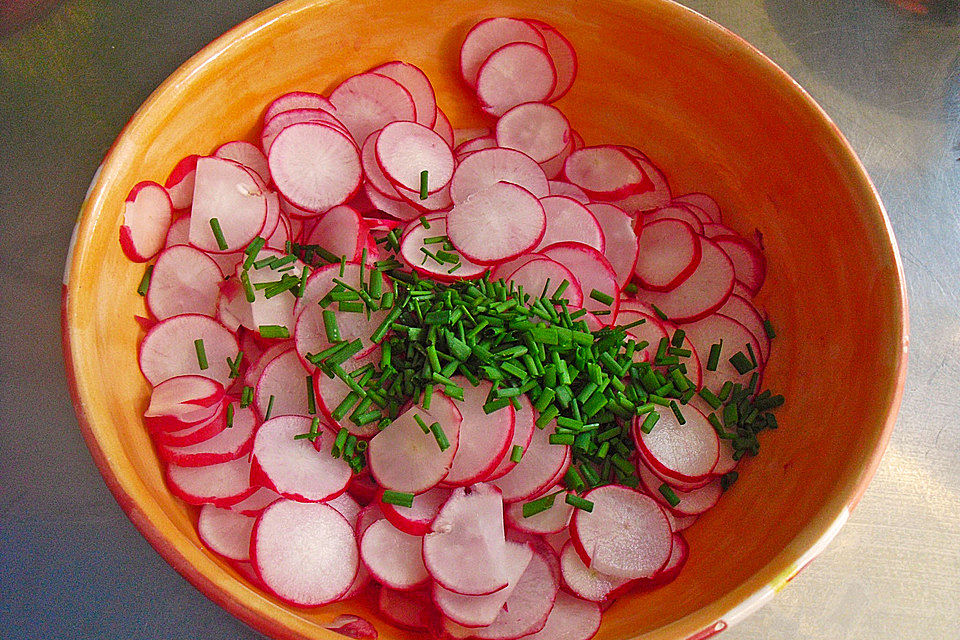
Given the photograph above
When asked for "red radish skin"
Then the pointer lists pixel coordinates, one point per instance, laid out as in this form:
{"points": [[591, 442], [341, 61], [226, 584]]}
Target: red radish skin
{"points": [[412, 610], [315, 166], [625, 536], [185, 399], [306, 554], [605, 173], [553, 166], [394, 558], [417, 85], [706, 204], [537, 468], [404, 458], [489, 166], [256, 502], [489, 35], [179, 234], [679, 523], [695, 210], [678, 557], [514, 74], [230, 444], [749, 263], [658, 196], [570, 221], [396, 208], [258, 363], [147, 214], [232, 194], [297, 100], [553, 520], [298, 469], [583, 581], [417, 519], [621, 244], [702, 293], [221, 484], [524, 425], [202, 431], [464, 551], [556, 541], [286, 381], [352, 627], [592, 271], [669, 252], [484, 437], [562, 54], [250, 156], [570, 619], [368, 102], [476, 144], [539, 130], [537, 274], [443, 127], [674, 212], [687, 451], [368, 515], [405, 149], [498, 223], [347, 507], [413, 240], [184, 280], [296, 116], [179, 184], [226, 532], [168, 349]]}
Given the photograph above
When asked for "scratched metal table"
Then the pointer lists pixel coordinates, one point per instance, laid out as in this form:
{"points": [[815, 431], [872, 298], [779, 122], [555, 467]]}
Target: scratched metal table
{"points": [[72, 565]]}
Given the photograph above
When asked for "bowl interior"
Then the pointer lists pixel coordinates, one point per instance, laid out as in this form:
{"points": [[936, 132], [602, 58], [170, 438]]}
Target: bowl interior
{"points": [[708, 109]]}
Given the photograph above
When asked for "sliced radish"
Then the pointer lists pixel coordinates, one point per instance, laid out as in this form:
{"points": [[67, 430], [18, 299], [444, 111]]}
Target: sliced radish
{"points": [[489, 166], [726, 462], [743, 311], [524, 425], [443, 127], [274, 215], [225, 531], [273, 127], [298, 469], [185, 400], [340, 231], [417, 84], [277, 310], [475, 144], [200, 432], [605, 172], [735, 338], [537, 468], [394, 558], [585, 582], [553, 166], [556, 541], [305, 553], [297, 100], [256, 502], [184, 280], [147, 214], [414, 239], [315, 166], [179, 234], [406, 149], [592, 270], [400, 209], [679, 523], [234, 196], [484, 437], [465, 550], [541, 131], [562, 188], [411, 610], [481, 611], [552, 520], [259, 363], [703, 292], [347, 507], [368, 515], [179, 184], [678, 557], [418, 518], [563, 55], [368, 102], [670, 251], [621, 245], [657, 196], [496, 224], [404, 458], [169, 349], [514, 74], [626, 535], [250, 156], [693, 364], [544, 273], [570, 619], [674, 212], [489, 35], [687, 451], [221, 484], [691, 503], [570, 221], [749, 264], [372, 169], [283, 387], [704, 202], [228, 444]]}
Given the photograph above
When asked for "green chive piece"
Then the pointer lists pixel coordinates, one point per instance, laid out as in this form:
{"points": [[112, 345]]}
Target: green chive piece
{"points": [[678, 337], [676, 412], [727, 479], [420, 421], [246, 397], [576, 501], [340, 442], [201, 354], [539, 505], [424, 192], [440, 436], [145, 280], [714, 358], [398, 498], [218, 234], [330, 325], [647, 425], [601, 297], [235, 365], [660, 314], [273, 331], [741, 363], [561, 438], [768, 328], [229, 415], [266, 416], [516, 454], [667, 492], [311, 396], [248, 290]]}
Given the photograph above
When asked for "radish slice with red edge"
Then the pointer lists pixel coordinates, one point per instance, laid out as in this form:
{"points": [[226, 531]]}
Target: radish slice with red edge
{"points": [[184, 280], [593, 272], [749, 263], [404, 458], [680, 523], [186, 399], [743, 311], [734, 338], [465, 549], [487, 36], [315, 166], [553, 166], [570, 221], [282, 389], [232, 195], [179, 184], [484, 437], [443, 127], [476, 144], [273, 127], [221, 484], [225, 531], [514, 74], [562, 188], [605, 172], [418, 518], [489, 166], [669, 252], [242, 152], [414, 239], [537, 468], [482, 611], [523, 428], [621, 245], [678, 558], [340, 231], [626, 535], [706, 203], [298, 469], [331, 391], [200, 432], [417, 84], [496, 224], [702, 293], [552, 520], [657, 196], [556, 541], [394, 558], [147, 214], [179, 234], [687, 451], [570, 619], [169, 349], [306, 554], [563, 55], [674, 212], [542, 273], [404, 150], [368, 102], [399, 209], [411, 610], [539, 130], [692, 503], [230, 444], [583, 581], [297, 100]]}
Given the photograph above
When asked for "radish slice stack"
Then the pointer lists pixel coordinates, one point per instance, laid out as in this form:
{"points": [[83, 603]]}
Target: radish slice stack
{"points": [[261, 344]]}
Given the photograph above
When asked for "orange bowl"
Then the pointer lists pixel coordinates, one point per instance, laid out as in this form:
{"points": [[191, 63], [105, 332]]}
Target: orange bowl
{"points": [[713, 112]]}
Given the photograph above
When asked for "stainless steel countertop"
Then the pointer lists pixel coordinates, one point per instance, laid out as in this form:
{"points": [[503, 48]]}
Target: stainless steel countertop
{"points": [[73, 566]]}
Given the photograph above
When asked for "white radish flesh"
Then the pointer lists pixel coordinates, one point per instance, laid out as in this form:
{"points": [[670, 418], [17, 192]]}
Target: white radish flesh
{"points": [[200, 432], [544, 272], [704, 202], [743, 311], [496, 224], [621, 245], [147, 214], [330, 392], [340, 231], [256, 502], [283, 387], [184, 280], [605, 172], [368, 102], [297, 100], [225, 531], [585, 582], [687, 451], [417, 85], [418, 518], [592, 271], [692, 503], [736, 338], [169, 349], [570, 221], [185, 399], [179, 184], [562, 54], [232, 195], [484, 437], [749, 264], [539, 465], [282, 120], [221, 484], [570, 619], [414, 239], [487, 167], [394, 558], [487, 36], [514, 74], [523, 428], [670, 251], [406, 149], [541, 131], [562, 188], [674, 212], [552, 520], [250, 156]]}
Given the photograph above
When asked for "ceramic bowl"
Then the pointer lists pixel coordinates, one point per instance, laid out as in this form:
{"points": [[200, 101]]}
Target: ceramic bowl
{"points": [[712, 111]]}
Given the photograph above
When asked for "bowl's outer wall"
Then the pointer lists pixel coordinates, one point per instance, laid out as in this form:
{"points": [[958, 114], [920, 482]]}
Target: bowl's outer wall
{"points": [[710, 110]]}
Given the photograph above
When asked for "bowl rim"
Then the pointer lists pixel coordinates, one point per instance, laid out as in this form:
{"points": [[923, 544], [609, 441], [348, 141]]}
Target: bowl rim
{"points": [[702, 623]]}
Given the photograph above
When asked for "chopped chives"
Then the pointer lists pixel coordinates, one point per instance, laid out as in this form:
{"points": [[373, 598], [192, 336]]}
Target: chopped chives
{"points": [[330, 325], [678, 337], [668, 494], [201, 354], [647, 425], [742, 363], [229, 415], [145, 280], [677, 413], [601, 297], [398, 498], [424, 192], [768, 328], [246, 397], [337, 449], [420, 421], [273, 331], [218, 234], [714, 358], [248, 290], [235, 365], [440, 436], [266, 416], [753, 356], [516, 454], [539, 505], [311, 396], [660, 314], [561, 438], [576, 501]]}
